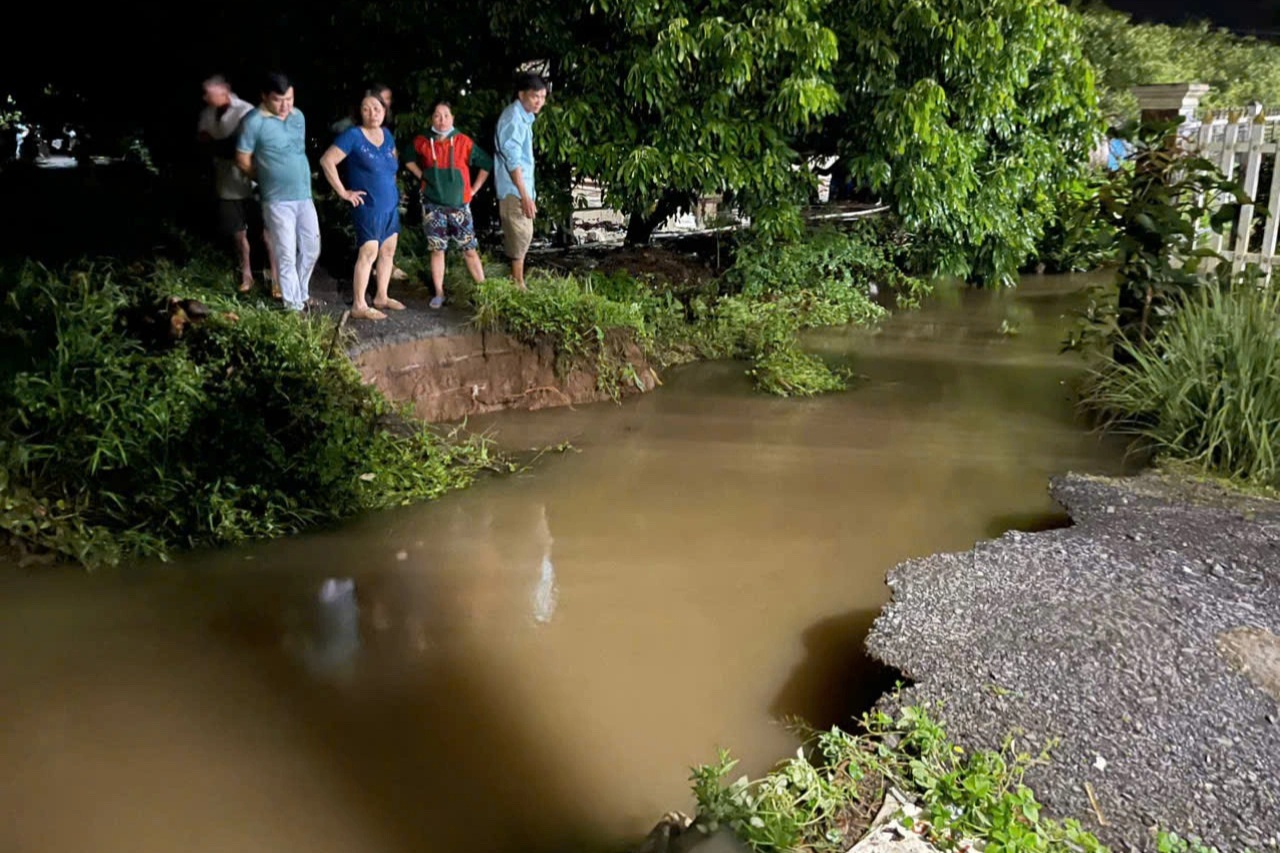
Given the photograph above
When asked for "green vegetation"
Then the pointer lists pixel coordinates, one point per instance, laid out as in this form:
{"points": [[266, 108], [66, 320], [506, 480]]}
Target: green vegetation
{"points": [[1078, 238], [1126, 54], [969, 116], [1161, 209], [1206, 388], [715, 92], [586, 328], [1193, 369], [776, 289], [825, 797], [117, 440]]}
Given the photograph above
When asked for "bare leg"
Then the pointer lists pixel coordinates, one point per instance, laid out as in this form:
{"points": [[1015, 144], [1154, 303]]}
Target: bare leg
{"points": [[241, 239], [474, 266], [360, 278], [386, 263], [517, 273], [437, 272]]}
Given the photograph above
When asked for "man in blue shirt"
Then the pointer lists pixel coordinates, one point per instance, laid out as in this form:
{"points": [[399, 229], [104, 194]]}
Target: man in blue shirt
{"points": [[1118, 150], [513, 171], [272, 150]]}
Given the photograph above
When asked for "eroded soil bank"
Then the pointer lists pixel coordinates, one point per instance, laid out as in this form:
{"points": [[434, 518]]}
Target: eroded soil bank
{"points": [[448, 369], [473, 371], [1143, 638]]}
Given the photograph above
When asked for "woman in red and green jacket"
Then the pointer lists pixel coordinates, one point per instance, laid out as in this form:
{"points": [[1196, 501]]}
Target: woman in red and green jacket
{"points": [[444, 166]]}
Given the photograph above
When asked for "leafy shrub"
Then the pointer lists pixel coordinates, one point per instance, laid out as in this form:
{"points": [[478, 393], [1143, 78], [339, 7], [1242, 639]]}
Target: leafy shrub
{"points": [[1078, 238], [112, 444], [1161, 207], [833, 271]]}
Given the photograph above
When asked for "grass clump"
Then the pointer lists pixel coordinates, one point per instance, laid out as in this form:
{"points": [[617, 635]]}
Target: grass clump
{"points": [[1206, 388], [774, 291], [604, 332], [825, 797], [116, 440]]}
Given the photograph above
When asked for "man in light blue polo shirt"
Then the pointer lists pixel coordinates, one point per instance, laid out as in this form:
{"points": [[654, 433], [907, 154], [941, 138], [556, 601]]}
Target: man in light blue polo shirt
{"points": [[513, 171], [272, 150]]}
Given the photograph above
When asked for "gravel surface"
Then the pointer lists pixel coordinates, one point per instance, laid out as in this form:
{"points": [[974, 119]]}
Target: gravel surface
{"points": [[1106, 636]]}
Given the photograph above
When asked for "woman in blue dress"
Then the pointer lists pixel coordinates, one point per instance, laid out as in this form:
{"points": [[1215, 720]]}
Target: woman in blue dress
{"points": [[369, 151]]}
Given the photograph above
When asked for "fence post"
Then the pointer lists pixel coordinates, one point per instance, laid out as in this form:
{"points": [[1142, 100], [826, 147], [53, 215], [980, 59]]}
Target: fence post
{"points": [[1255, 130], [1167, 101], [1269, 232]]}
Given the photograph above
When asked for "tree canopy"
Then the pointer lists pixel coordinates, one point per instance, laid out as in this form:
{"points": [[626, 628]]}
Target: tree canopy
{"points": [[968, 115], [664, 101], [1126, 54]]}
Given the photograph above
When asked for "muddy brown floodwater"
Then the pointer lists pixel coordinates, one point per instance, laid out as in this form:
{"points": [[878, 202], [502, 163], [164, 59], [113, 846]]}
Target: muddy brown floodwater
{"points": [[535, 664]]}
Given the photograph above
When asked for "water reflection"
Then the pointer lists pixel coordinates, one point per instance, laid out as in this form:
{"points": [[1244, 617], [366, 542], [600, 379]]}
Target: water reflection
{"points": [[481, 571], [545, 593], [326, 643]]}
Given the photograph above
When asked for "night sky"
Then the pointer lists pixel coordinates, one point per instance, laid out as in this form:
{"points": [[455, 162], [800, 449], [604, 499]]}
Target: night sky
{"points": [[1256, 15]]}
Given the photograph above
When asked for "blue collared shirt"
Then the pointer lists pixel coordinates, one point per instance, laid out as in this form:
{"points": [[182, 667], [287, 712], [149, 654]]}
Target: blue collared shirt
{"points": [[279, 151], [513, 148]]}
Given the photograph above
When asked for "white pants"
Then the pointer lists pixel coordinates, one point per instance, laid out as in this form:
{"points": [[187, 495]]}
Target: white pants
{"points": [[295, 236]]}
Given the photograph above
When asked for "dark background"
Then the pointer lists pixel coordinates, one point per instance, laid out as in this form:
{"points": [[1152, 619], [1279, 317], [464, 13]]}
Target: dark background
{"points": [[1251, 17]]}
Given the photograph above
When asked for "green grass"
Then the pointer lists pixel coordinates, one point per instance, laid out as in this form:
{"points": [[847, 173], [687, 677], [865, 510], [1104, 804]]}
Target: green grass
{"points": [[775, 290], [1206, 389]]}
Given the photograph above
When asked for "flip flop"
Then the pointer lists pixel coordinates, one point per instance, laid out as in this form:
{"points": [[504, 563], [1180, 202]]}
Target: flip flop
{"points": [[367, 314], [391, 304], [246, 286], [437, 302]]}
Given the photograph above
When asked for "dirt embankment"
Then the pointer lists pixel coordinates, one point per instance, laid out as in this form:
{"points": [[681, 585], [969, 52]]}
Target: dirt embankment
{"points": [[447, 377]]}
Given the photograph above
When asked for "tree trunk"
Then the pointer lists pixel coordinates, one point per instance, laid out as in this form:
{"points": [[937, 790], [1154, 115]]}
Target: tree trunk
{"points": [[640, 228]]}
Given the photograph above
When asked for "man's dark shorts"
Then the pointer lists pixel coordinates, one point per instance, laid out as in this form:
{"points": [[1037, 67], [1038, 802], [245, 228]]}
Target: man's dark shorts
{"points": [[233, 216]]}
